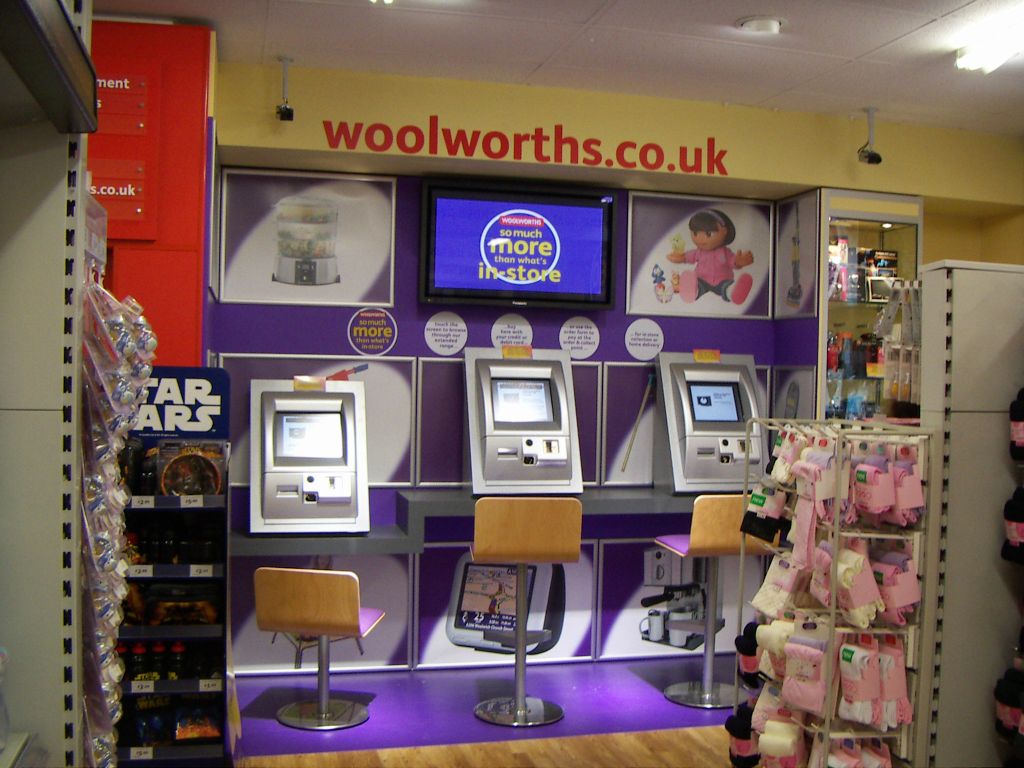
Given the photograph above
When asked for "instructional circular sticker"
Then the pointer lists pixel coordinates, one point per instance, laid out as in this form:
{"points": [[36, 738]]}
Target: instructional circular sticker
{"points": [[372, 331], [511, 330], [644, 339], [580, 337], [445, 333]]}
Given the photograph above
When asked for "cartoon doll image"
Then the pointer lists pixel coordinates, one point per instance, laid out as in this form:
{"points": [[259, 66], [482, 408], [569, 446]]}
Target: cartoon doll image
{"points": [[661, 290], [714, 262]]}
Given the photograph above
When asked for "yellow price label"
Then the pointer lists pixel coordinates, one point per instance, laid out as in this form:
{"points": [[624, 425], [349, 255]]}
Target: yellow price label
{"points": [[517, 351], [309, 383], [707, 355]]}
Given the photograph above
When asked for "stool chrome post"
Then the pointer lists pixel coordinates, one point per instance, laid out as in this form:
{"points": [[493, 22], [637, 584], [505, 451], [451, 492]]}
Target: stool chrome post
{"points": [[522, 610], [706, 694]]}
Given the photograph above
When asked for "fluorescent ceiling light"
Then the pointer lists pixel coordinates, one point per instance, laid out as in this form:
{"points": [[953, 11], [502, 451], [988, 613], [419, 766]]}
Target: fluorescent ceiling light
{"points": [[986, 58], [993, 44]]}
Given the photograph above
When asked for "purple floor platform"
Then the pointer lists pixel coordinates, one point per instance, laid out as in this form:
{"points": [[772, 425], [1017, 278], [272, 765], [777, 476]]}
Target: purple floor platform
{"points": [[427, 707]]}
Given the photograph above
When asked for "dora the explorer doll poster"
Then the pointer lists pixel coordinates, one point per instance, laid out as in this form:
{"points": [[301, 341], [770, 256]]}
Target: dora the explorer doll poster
{"points": [[699, 257]]}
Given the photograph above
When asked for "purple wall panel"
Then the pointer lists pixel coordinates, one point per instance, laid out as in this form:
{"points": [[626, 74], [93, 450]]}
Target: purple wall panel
{"points": [[442, 421], [586, 382], [623, 568], [626, 386], [321, 330], [437, 571], [796, 341]]}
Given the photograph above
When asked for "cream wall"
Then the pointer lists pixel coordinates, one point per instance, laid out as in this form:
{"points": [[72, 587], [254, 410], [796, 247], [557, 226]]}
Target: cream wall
{"points": [[951, 237], [998, 239], [1003, 239], [972, 184]]}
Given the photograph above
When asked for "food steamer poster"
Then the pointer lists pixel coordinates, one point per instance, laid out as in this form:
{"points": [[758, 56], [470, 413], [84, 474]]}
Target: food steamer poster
{"points": [[699, 257], [306, 238]]}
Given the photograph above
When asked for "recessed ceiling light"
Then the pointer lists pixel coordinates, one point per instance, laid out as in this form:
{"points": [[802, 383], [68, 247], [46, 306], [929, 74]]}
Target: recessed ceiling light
{"points": [[760, 25], [886, 225]]}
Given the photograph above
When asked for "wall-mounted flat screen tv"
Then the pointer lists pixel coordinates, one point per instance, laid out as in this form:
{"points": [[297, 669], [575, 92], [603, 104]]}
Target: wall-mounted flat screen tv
{"points": [[500, 243]]}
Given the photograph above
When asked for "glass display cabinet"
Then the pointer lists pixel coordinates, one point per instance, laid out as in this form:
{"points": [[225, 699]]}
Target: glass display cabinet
{"points": [[871, 252]]}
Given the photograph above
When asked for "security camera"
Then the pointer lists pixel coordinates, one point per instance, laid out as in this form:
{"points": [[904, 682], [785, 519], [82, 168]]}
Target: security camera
{"points": [[284, 111], [867, 155]]}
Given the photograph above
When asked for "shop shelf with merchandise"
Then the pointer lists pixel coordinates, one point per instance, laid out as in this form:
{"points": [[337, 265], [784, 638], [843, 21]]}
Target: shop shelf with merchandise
{"points": [[848, 446]]}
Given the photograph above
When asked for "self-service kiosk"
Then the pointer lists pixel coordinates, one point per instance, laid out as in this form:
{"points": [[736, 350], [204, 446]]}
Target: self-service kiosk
{"points": [[700, 428], [308, 458], [521, 414]]}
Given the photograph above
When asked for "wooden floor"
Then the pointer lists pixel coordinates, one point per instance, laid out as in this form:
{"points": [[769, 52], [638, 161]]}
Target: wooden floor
{"points": [[677, 748]]}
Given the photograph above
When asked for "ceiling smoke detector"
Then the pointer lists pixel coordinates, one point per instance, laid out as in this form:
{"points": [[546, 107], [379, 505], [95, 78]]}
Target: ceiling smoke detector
{"points": [[760, 25]]}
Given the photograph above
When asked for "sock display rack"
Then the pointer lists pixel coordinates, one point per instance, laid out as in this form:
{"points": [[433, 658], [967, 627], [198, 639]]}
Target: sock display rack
{"points": [[1009, 688], [835, 663]]}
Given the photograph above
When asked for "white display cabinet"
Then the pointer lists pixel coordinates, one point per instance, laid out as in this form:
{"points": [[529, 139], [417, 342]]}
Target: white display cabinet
{"points": [[869, 243]]}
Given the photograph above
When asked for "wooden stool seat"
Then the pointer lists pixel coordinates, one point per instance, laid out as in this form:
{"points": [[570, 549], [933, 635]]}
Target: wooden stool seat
{"points": [[519, 531], [304, 602]]}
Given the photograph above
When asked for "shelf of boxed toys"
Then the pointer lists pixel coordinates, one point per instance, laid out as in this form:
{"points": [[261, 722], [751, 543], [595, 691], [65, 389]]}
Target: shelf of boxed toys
{"points": [[175, 642], [827, 722]]}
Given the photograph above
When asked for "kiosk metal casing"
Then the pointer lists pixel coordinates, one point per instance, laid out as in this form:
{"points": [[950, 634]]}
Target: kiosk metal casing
{"points": [[521, 415], [308, 470], [702, 446]]}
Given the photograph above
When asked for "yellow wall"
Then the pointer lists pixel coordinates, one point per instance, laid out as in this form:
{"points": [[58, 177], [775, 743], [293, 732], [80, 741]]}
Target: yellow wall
{"points": [[1003, 239], [972, 184], [951, 237], [994, 238], [769, 153]]}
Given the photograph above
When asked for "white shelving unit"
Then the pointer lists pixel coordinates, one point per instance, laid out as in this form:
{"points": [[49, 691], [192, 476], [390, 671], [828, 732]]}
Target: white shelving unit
{"points": [[972, 360], [43, 164], [908, 742]]}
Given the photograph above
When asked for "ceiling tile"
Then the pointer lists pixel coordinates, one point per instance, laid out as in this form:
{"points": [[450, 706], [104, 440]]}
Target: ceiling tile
{"points": [[834, 56], [318, 34], [834, 28]]}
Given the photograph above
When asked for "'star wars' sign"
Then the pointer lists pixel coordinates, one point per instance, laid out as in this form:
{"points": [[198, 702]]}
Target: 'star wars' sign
{"points": [[185, 403]]}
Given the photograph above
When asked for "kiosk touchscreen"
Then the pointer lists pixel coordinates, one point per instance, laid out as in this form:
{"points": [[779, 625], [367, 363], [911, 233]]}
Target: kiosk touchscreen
{"points": [[700, 429], [308, 458], [521, 429], [482, 608]]}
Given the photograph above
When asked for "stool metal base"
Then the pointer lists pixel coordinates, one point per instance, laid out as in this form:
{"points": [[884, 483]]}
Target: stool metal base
{"points": [[692, 694], [340, 713], [502, 711]]}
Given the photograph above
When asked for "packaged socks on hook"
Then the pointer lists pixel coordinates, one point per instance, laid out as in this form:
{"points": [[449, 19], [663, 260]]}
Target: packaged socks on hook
{"points": [[1008, 692], [748, 658], [742, 738], [1013, 520], [1017, 427]]}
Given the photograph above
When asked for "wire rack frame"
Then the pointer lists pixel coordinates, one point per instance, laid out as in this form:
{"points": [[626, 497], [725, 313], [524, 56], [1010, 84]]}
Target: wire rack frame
{"points": [[843, 432]]}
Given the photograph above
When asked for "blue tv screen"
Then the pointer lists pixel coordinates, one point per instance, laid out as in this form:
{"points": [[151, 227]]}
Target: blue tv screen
{"points": [[486, 243]]}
